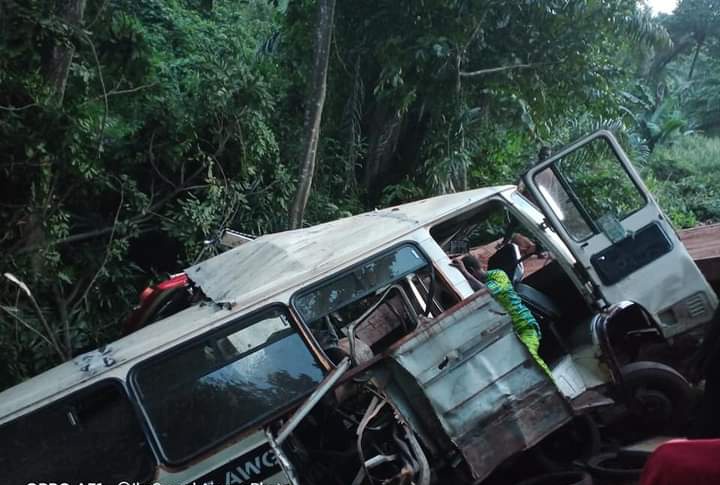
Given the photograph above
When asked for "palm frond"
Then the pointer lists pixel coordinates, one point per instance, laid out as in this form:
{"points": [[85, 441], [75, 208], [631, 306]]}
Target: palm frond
{"points": [[643, 28]]}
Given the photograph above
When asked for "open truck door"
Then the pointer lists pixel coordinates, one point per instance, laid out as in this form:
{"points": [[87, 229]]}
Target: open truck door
{"points": [[596, 202]]}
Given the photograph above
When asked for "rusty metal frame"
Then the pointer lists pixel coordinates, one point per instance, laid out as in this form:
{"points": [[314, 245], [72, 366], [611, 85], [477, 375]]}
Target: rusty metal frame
{"points": [[481, 383]]}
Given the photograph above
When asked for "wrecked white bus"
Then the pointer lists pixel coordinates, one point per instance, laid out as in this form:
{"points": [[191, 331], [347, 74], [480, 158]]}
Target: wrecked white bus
{"points": [[352, 352]]}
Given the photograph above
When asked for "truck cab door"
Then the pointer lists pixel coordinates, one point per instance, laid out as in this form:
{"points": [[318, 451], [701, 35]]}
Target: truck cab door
{"points": [[596, 202]]}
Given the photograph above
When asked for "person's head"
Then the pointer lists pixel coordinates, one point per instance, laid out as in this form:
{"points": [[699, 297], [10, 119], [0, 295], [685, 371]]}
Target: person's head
{"points": [[473, 265]]}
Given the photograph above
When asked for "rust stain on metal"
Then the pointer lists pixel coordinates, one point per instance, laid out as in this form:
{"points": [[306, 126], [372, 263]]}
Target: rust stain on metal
{"points": [[489, 396], [703, 244], [522, 424]]}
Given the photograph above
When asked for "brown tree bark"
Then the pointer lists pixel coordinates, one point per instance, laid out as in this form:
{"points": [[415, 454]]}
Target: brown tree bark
{"points": [[57, 67], [313, 111]]}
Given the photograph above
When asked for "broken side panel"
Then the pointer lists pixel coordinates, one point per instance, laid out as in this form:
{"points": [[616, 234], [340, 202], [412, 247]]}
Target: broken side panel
{"points": [[490, 397]]}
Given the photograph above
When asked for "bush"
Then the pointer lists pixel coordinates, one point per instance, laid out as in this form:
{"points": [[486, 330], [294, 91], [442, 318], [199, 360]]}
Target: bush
{"points": [[685, 178]]}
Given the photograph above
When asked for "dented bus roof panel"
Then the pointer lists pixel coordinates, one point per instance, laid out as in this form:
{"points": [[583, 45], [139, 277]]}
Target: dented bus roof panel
{"points": [[279, 261]]}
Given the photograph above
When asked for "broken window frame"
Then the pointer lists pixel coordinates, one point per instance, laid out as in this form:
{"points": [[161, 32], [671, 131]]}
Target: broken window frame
{"points": [[576, 200], [344, 272], [223, 330], [486, 208]]}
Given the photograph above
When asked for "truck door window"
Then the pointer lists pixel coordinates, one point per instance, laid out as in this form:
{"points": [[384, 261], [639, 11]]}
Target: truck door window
{"points": [[200, 395], [562, 205], [91, 436], [589, 190]]}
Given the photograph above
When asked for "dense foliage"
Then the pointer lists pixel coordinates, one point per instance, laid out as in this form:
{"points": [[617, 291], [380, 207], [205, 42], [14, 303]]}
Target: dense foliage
{"points": [[132, 131]]}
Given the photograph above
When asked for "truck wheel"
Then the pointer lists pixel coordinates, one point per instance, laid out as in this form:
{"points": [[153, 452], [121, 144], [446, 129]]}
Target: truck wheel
{"points": [[560, 478], [660, 396], [614, 465]]}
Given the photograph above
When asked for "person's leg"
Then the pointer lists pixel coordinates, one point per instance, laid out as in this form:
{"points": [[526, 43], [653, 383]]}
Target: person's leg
{"points": [[530, 338]]}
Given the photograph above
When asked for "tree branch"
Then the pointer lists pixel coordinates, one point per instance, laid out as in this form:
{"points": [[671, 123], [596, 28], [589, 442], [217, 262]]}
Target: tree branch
{"points": [[101, 131], [50, 333], [57, 67], [18, 108], [151, 158], [116, 92], [62, 310], [313, 110], [133, 220], [33, 330], [97, 15], [493, 70], [108, 249]]}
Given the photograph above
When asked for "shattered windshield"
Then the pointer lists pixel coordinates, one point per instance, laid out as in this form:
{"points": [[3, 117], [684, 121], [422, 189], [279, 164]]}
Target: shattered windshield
{"points": [[359, 282], [199, 396]]}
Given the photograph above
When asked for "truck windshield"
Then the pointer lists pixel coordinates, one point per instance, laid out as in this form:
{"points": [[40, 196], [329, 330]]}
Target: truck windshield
{"points": [[91, 436], [198, 396]]}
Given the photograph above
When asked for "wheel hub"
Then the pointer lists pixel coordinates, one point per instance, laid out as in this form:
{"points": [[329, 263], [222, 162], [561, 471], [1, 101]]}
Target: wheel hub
{"points": [[653, 404]]}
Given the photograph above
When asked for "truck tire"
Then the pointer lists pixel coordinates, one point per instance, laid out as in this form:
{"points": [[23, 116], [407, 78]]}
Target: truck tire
{"points": [[661, 398], [614, 465]]}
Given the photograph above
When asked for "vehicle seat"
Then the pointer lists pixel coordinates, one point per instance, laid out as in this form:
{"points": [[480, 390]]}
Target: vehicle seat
{"points": [[538, 302]]}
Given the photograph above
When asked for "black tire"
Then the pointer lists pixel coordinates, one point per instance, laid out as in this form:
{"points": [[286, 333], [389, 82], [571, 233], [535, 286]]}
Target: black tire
{"points": [[572, 477], [614, 465], [660, 397]]}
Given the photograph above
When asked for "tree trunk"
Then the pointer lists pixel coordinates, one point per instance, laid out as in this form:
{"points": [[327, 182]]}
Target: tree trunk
{"points": [[383, 139], [57, 67], [662, 59], [313, 111], [692, 66]]}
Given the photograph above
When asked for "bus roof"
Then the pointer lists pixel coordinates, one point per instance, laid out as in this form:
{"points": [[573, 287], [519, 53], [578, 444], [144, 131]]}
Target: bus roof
{"points": [[277, 262]]}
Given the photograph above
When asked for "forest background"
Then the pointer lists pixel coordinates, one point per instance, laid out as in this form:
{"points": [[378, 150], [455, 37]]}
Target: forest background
{"points": [[133, 131]]}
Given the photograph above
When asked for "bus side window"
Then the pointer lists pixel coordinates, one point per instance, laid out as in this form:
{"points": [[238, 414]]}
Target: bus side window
{"points": [[92, 435]]}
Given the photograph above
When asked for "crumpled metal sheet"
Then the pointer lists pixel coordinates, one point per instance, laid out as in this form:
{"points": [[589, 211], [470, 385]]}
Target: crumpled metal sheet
{"points": [[490, 397], [96, 360]]}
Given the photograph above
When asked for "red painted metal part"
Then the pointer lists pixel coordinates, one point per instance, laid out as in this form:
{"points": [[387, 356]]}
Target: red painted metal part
{"points": [[148, 296], [175, 281]]}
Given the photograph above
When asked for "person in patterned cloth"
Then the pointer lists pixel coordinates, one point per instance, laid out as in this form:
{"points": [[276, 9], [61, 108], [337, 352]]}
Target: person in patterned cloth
{"points": [[500, 287]]}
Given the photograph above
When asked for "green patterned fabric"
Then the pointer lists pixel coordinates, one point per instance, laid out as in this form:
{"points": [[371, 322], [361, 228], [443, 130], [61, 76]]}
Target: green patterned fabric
{"points": [[524, 323]]}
